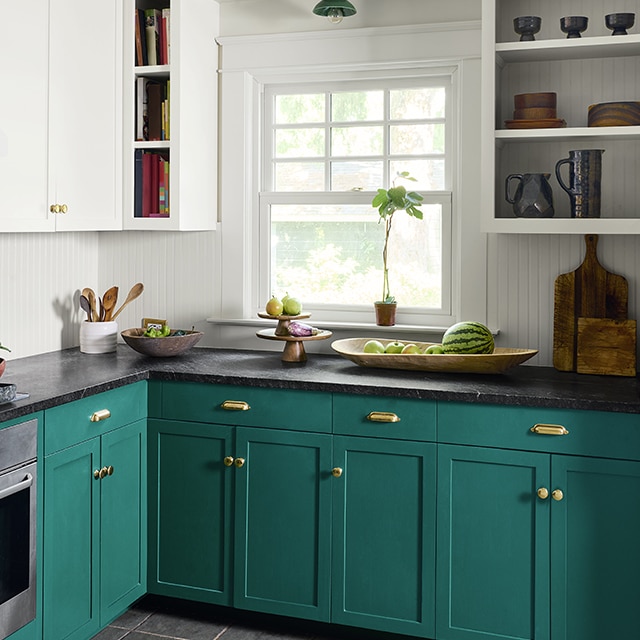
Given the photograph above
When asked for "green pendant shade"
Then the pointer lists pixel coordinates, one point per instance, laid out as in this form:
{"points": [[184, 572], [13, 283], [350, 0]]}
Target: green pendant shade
{"points": [[329, 7]]}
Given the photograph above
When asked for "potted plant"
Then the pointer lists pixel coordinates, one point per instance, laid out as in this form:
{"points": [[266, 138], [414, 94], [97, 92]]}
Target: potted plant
{"points": [[388, 201], [2, 360]]}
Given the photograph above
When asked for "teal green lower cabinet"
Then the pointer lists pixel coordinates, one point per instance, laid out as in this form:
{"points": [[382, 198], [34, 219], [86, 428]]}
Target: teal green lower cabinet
{"points": [[190, 495], [94, 532], [282, 522], [595, 549], [384, 499]]}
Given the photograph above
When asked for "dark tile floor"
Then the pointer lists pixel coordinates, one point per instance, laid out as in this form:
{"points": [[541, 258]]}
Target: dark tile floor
{"points": [[154, 618]]}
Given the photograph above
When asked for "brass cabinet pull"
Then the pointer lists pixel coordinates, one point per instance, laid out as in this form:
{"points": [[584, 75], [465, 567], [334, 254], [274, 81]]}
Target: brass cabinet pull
{"points": [[557, 495], [549, 430], [96, 474], [336, 472], [383, 416], [103, 472], [228, 461], [58, 208], [543, 493], [103, 414], [110, 470], [239, 462], [235, 405]]}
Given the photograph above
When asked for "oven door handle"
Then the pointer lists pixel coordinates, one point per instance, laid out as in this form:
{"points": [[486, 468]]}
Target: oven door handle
{"points": [[19, 486]]}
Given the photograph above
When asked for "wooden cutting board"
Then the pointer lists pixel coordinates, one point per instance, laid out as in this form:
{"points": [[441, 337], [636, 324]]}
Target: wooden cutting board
{"points": [[589, 292]]}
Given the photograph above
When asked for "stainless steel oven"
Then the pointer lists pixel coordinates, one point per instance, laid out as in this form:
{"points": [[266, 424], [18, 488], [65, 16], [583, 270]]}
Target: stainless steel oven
{"points": [[18, 489]]}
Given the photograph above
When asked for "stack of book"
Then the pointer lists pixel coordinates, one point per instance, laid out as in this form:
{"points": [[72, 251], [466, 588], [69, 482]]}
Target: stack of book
{"points": [[151, 184], [152, 109], [153, 36]]}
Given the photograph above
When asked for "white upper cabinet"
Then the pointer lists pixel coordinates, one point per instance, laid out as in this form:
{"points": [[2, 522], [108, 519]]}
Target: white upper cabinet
{"points": [[594, 68], [171, 116], [23, 116]]}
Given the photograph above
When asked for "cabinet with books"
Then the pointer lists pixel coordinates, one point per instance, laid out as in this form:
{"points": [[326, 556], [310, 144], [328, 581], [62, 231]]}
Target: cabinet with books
{"points": [[171, 115]]}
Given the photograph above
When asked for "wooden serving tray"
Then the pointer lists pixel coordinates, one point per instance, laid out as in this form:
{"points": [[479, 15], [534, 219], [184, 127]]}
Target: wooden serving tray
{"points": [[497, 362]]}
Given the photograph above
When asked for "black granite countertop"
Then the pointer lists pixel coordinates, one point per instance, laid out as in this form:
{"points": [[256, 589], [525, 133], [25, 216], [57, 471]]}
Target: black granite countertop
{"points": [[54, 378]]}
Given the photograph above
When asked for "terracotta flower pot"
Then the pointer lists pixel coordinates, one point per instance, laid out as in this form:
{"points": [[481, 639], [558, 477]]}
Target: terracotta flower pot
{"points": [[385, 313], [3, 364]]}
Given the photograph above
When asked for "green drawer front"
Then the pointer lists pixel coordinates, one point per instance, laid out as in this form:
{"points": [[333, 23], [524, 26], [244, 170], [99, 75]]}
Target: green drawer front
{"points": [[275, 408], [384, 417], [590, 433], [71, 423]]}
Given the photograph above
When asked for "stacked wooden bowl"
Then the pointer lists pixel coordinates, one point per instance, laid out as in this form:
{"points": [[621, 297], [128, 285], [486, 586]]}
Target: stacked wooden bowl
{"points": [[535, 111], [614, 114]]}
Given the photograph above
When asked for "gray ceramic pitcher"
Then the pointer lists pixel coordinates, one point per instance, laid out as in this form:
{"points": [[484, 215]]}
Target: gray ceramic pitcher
{"points": [[585, 173], [533, 197]]}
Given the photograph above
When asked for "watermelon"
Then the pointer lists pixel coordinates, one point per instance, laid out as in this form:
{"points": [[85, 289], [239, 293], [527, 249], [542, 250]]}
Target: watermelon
{"points": [[467, 337]]}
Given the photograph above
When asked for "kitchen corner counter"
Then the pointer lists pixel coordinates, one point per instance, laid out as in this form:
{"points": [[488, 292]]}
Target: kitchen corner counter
{"points": [[58, 377]]}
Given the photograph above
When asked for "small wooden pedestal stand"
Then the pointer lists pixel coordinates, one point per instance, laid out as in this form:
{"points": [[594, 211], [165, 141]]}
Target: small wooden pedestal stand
{"points": [[294, 347]]}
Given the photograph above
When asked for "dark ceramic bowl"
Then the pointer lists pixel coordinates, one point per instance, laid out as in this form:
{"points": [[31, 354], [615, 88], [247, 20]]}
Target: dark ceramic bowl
{"points": [[619, 22], [526, 27], [573, 26], [160, 347]]}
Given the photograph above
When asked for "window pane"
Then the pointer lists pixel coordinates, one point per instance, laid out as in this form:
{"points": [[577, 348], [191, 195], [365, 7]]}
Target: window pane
{"points": [[429, 173], [357, 106], [299, 143], [365, 176], [299, 176], [332, 254], [414, 139], [356, 141], [300, 109], [417, 104]]}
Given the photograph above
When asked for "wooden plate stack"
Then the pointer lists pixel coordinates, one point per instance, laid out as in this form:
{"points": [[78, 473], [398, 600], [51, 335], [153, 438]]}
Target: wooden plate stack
{"points": [[535, 111]]}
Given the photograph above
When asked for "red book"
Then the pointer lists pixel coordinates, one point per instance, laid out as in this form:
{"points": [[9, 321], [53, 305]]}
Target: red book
{"points": [[146, 184], [155, 182]]}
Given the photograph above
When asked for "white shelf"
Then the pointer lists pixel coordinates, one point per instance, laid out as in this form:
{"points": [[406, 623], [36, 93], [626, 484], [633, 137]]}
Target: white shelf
{"points": [[568, 134], [569, 49], [580, 226]]}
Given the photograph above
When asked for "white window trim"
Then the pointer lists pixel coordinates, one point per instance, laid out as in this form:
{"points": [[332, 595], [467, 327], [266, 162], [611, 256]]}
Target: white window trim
{"points": [[250, 62]]}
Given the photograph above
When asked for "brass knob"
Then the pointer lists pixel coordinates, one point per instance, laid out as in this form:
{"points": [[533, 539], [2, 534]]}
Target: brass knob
{"points": [[110, 470], [103, 414], [103, 472], [228, 461], [382, 416], [96, 474], [58, 208], [543, 493], [235, 405], [239, 462], [336, 472], [557, 495]]}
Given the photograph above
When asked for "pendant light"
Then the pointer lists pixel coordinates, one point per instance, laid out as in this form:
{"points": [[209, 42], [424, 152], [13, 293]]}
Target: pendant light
{"points": [[335, 10]]}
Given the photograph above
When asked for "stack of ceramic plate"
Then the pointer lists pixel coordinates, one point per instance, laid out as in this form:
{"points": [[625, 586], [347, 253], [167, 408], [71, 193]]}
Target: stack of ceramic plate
{"points": [[535, 111]]}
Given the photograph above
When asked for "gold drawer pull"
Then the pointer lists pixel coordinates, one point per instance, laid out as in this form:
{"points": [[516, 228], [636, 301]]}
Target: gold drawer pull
{"points": [[239, 462], [235, 405], [557, 495], [549, 430], [382, 416], [543, 493], [103, 414], [336, 472], [228, 461]]}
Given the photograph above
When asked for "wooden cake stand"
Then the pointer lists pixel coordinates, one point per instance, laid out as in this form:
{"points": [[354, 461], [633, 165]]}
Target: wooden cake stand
{"points": [[294, 345]]}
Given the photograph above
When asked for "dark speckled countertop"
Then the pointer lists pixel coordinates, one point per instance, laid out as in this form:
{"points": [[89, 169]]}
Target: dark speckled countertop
{"points": [[63, 376]]}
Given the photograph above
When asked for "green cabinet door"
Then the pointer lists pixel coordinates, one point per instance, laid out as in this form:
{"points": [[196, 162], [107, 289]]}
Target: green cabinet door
{"points": [[595, 549], [71, 542], [123, 539], [190, 496], [282, 522], [384, 499], [493, 544]]}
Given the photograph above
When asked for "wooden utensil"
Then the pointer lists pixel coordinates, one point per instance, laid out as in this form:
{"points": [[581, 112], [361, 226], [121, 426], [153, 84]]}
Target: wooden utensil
{"points": [[134, 292], [86, 307], [109, 300], [588, 292], [89, 294]]}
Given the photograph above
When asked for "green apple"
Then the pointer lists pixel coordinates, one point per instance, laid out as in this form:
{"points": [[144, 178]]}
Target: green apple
{"points": [[434, 348], [373, 346], [274, 307], [411, 348], [292, 306], [394, 347]]}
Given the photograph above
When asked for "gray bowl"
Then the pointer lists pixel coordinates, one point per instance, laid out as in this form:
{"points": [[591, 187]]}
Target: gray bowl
{"points": [[573, 26], [619, 22], [526, 27]]}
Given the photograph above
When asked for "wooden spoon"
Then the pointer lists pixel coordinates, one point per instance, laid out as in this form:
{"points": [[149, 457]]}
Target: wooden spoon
{"points": [[90, 295], [136, 290], [109, 300], [86, 307]]}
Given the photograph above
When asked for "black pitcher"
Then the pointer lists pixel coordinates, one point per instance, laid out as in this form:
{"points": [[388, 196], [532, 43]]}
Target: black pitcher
{"points": [[533, 197], [585, 173]]}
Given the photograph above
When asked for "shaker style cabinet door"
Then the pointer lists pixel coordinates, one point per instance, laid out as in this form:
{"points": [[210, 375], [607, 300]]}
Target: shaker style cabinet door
{"points": [[384, 499], [190, 497], [595, 554], [493, 544], [282, 522]]}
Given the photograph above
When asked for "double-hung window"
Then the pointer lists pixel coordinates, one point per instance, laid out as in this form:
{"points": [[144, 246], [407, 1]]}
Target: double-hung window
{"points": [[327, 148]]}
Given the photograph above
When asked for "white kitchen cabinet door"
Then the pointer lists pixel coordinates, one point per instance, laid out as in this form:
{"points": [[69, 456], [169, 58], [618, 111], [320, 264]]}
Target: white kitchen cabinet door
{"points": [[23, 116], [85, 114]]}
